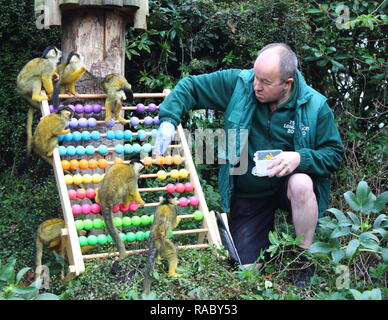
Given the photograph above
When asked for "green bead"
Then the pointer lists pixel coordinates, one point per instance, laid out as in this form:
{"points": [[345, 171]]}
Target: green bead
{"points": [[102, 239], [92, 240], [147, 234], [118, 222], [151, 219], [98, 223], [88, 224], [131, 237], [170, 234], [123, 236], [145, 220], [109, 238], [136, 221], [79, 225], [198, 215], [126, 221], [140, 235], [83, 241]]}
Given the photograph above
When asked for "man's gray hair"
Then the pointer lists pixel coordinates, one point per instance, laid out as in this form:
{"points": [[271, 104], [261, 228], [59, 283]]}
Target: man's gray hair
{"points": [[288, 59]]}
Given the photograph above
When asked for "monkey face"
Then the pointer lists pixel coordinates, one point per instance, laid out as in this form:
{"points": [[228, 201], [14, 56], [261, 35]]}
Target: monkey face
{"points": [[52, 53], [138, 166], [66, 112], [75, 57]]}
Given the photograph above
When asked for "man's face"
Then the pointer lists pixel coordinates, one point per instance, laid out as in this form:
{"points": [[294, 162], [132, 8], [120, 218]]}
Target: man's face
{"points": [[267, 84]]}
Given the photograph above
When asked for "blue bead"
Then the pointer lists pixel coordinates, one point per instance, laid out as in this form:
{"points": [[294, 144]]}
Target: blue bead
{"points": [[90, 150], [62, 150], [70, 150], [136, 148], [119, 148], [102, 149], [80, 150], [127, 134], [85, 135], [141, 134], [77, 136], [60, 137], [154, 133], [128, 148], [68, 137], [95, 135], [119, 134], [147, 147], [110, 134]]}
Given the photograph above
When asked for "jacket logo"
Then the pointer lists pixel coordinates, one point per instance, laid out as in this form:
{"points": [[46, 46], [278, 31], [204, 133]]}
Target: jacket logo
{"points": [[290, 126], [304, 129]]}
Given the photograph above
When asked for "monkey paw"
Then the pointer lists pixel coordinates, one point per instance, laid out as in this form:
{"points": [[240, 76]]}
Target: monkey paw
{"points": [[122, 120], [174, 274]]}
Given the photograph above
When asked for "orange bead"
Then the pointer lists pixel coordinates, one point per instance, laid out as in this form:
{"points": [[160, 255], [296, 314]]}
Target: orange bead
{"points": [[93, 163], [102, 163], [74, 165], [177, 159], [168, 160], [65, 164], [159, 160], [83, 164], [118, 160], [147, 161]]}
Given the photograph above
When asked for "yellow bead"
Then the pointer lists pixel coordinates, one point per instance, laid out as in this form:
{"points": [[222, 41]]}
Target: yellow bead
{"points": [[162, 175], [87, 178], [96, 178], [174, 174], [68, 179], [183, 173], [77, 179]]}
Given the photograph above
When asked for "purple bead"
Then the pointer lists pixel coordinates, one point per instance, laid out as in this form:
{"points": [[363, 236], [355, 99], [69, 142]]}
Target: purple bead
{"points": [[148, 120], [156, 120], [71, 107], [140, 108], [83, 122], [97, 108], [110, 123], [51, 108], [152, 107], [88, 108], [79, 108], [73, 123], [92, 122], [134, 121]]}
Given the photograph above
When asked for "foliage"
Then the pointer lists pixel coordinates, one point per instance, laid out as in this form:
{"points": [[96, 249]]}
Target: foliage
{"points": [[11, 288]]}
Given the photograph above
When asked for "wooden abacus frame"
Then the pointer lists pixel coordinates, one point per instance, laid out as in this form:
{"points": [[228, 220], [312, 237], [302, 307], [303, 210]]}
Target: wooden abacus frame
{"points": [[69, 233]]}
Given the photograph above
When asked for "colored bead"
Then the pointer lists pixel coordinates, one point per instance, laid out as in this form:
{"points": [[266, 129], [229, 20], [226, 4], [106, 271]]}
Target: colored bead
{"points": [[133, 206], [82, 122], [80, 150], [95, 208], [193, 201], [102, 163], [65, 164], [77, 136], [189, 187], [87, 178], [68, 137], [136, 148], [92, 240], [97, 108], [148, 121], [68, 179], [156, 121], [183, 173], [128, 148], [127, 134], [73, 123], [62, 150], [85, 208], [96, 178], [154, 133], [92, 122], [147, 147], [88, 108], [81, 193], [90, 193], [170, 188], [119, 148], [141, 135], [110, 134], [85, 135], [70, 150], [90, 149], [131, 237], [98, 223], [116, 208], [92, 164], [119, 134], [126, 221], [110, 123], [198, 215], [161, 175], [140, 108], [174, 173], [102, 239], [136, 221], [179, 187], [72, 194], [76, 209], [83, 241], [95, 135], [152, 107], [79, 108], [183, 202], [134, 121], [102, 149], [79, 225]]}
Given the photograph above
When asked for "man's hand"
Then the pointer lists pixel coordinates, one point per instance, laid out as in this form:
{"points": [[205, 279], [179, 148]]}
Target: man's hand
{"points": [[284, 163], [164, 137]]}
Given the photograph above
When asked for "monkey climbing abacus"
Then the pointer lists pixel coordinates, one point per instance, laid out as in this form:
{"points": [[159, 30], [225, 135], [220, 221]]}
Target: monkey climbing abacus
{"points": [[85, 130]]}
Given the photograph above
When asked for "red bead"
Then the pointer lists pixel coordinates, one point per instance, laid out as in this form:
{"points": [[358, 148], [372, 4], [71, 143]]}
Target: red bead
{"points": [[183, 202], [179, 187], [170, 188], [95, 208], [86, 208], [133, 206], [72, 194], [90, 193], [123, 208], [116, 208], [81, 193], [189, 187], [193, 201], [76, 209]]}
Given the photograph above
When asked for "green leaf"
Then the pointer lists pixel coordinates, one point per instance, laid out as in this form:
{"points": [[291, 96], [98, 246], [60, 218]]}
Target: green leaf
{"points": [[320, 247], [340, 232], [47, 296], [7, 273], [314, 11], [351, 200], [382, 217], [354, 218], [380, 202], [384, 254], [322, 63], [370, 241], [21, 274], [352, 248], [26, 292], [338, 65], [357, 294], [273, 238], [338, 255]]}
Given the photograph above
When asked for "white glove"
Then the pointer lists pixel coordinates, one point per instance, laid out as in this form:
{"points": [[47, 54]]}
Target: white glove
{"points": [[164, 137]]}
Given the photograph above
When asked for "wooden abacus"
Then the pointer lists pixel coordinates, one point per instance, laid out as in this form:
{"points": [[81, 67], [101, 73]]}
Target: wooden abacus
{"points": [[76, 259]]}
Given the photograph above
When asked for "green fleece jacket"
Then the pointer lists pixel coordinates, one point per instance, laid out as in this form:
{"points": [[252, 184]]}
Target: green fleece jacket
{"points": [[314, 133]]}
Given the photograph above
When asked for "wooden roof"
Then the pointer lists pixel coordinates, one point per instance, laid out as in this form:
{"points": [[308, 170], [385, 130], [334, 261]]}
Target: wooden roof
{"points": [[137, 10]]}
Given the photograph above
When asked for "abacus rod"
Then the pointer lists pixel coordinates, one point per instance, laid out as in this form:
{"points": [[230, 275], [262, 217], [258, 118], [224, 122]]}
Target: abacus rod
{"points": [[112, 254], [103, 95], [172, 146]]}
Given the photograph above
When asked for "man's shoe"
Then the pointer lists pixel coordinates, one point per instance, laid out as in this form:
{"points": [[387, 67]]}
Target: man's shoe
{"points": [[301, 277]]}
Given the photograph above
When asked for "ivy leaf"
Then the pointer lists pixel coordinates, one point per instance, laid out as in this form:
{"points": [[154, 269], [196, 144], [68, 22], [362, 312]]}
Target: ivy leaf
{"points": [[338, 255], [340, 232], [380, 202], [384, 254], [320, 247]]}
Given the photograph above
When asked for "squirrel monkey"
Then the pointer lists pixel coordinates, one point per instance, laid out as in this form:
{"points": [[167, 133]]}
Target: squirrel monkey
{"points": [[160, 246], [119, 185], [36, 73], [117, 89], [49, 234], [69, 73]]}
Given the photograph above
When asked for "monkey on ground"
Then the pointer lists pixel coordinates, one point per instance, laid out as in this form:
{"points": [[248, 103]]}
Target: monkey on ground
{"points": [[117, 89], [36, 73], [160, 246], [69, 73], [49, 234], [120, 184]]}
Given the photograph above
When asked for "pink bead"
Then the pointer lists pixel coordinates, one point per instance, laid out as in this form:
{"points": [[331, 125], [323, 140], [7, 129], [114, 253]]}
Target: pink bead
{"points": [[81, 193], [95, 208], [90, 193], [76, 209], [133, 206], [72, 194], [183, 202], [116, 208], [189, 187], [179, 187], [123, 208], [86, 208], [170, 188], [193, 201]]}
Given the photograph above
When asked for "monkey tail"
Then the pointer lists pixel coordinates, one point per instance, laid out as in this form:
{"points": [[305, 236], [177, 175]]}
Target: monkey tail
{"points": [[108, 217], [91, 76], [27, 160], [129, 94], [55, 97], [148, 269]]}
